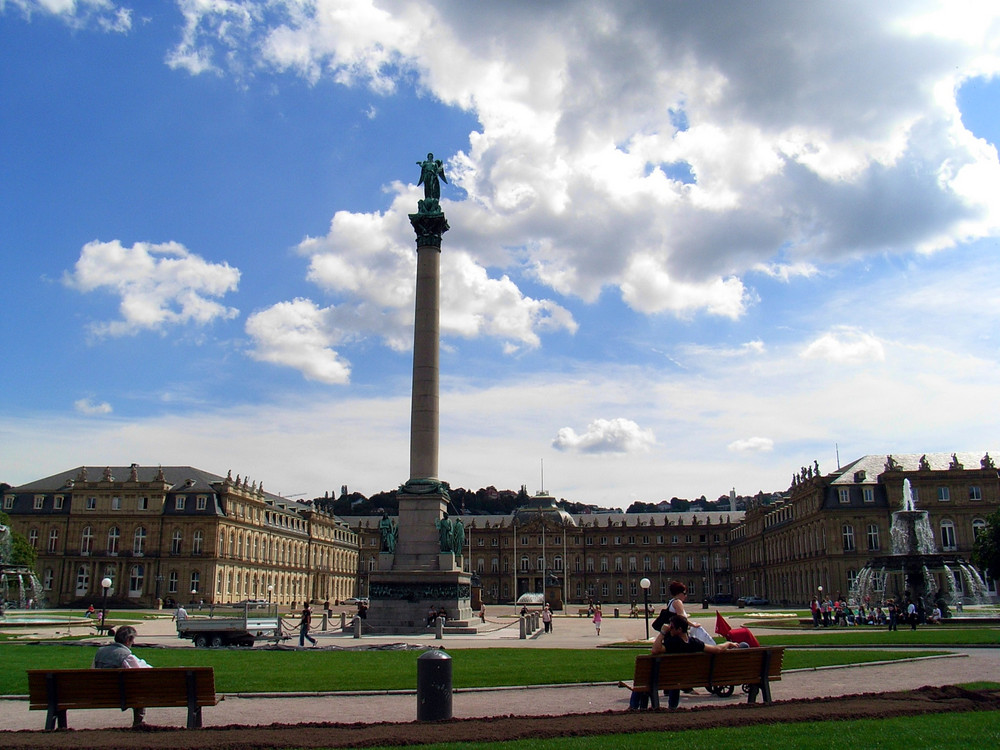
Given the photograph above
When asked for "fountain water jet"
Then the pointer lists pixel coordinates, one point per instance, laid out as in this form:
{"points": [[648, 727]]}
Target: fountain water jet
{"points": [[18, 583]]}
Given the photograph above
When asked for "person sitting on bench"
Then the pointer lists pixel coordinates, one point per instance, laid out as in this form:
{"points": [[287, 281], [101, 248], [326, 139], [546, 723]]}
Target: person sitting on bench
{"points": [[675, 640], [118, 655]]}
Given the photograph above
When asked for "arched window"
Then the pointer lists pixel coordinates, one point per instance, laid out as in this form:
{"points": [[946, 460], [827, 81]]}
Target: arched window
{"points": [[176, 541], [53, 540], [113, 536], [172, 582], [33, 538], [195, 581], [86, 541], [524, 562], [978, 525], [47, 579], [139, 541], [557, 562], [873, 540], [196, 543], [848, 533], [948, 535]]}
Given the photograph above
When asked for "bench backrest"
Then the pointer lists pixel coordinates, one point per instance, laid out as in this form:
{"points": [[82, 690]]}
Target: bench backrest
{"points": [[733, 667], [120, 688]]}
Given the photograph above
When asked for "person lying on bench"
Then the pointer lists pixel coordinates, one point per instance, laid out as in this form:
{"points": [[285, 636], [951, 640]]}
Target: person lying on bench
{"points": [[118, 655]]}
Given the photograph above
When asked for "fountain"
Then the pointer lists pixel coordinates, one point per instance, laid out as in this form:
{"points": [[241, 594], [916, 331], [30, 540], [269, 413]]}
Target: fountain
{"points": [[916, 567], [18, 583]]}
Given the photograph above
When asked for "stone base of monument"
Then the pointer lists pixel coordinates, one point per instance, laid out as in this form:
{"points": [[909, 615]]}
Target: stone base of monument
{"points": [[401, 600]]}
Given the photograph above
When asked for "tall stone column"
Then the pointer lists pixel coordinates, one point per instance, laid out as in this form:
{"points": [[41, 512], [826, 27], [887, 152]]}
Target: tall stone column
{"points": [[423, 567]]}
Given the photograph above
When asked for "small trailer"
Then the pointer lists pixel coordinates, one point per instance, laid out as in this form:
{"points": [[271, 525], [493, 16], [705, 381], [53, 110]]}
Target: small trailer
{"points": [[240, 625]]}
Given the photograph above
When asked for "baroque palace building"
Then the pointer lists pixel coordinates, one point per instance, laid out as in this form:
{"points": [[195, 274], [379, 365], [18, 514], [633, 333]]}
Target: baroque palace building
{"points": [[177, 532], [828, 527], [582, 558], [162, 533]]}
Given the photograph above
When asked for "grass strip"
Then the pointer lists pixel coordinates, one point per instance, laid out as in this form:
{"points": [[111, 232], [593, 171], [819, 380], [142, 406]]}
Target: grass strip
{"points": [[953, 731], [260, 670]]}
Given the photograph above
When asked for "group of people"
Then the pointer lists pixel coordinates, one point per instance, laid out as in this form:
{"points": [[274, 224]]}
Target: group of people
{"points": [[833, 612]]}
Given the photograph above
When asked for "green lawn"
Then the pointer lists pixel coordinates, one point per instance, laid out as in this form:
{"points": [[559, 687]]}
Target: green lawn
{"points": [[259, 670], [922, 636], [954, 731]]}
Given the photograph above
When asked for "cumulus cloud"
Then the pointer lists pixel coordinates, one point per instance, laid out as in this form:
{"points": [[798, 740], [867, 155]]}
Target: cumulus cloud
{"points": [[362, 262], [845, 345], [656, 149], [105, 14], [90, 408], [606, 436], [751, 445], [300, 334], [159, 285]]}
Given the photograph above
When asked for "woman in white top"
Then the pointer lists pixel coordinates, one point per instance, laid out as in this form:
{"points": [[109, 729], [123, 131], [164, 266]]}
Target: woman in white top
{"points": [[676, 607]]}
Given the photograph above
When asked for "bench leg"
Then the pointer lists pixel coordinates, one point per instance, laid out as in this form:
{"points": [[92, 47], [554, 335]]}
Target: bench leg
{"points": [[752, 693], [194, 717], [55, 717]]}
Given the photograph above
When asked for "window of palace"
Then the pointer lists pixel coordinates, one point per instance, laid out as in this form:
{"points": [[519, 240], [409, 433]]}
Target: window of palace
{"points": [[91, 503], [113, 536], [116, 503], [494, 542], [975, 493], [195, 580], [139, 541], [848, 535], [176, 541], [33, 538], [179, 502], [142, 503], [868, 494], [948, 535], [86, 541], [873, 540], [172, 582], [58, 502], [197, 542], [844, 494], [39, 501], [202, 502], [944, 494]]}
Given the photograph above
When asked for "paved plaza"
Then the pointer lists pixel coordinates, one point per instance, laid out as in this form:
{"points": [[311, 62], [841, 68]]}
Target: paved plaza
{"points": [[501, 631]]}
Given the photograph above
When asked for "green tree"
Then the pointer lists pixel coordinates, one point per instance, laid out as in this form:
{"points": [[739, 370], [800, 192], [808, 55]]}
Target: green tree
{"points": [[986, 550]]}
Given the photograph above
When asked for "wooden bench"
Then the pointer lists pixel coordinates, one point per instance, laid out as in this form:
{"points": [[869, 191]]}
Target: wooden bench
{"points": [[754, 667], [58, 690], [583, 611]]}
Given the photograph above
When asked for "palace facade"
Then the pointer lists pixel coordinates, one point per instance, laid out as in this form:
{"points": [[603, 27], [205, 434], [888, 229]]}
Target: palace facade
{"points": [[828, 527], [186, 534], [580, 558], [177, 532]]}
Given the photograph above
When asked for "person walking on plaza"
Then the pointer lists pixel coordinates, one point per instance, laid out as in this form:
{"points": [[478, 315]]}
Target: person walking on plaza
{"points": [[911, 614], [547, 618], [180, 613], [304, 624], [118, 655], [893, 609], [597, 619]]}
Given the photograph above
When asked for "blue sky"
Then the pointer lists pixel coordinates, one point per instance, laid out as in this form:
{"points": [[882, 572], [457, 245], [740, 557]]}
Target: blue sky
{"points": [[694, 246]]}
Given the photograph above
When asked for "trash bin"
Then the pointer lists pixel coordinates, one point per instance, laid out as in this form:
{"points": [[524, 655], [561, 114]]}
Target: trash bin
{"points": [[616, 611], [434, 686], [704, 603]]}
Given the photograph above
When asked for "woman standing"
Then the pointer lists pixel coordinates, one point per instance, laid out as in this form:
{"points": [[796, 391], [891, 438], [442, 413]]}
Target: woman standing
{"points": [[675, 606]]}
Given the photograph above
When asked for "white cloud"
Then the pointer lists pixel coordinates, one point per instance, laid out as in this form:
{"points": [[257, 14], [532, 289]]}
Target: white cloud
{"points": [[299, 334], [845, 345], [90, 408], [751, 445], [107, 15], [159, 285], [372, 273], [606, 436], [801, 151]]}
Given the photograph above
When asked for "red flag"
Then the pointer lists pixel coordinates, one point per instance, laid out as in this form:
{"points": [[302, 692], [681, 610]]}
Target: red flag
{"points": [[721, 626], [743, 635]]}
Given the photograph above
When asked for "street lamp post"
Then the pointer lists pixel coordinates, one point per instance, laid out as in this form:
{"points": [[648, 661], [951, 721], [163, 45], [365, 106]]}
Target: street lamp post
{"points": [[270, 590], [105, 585], [644, 583]]}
